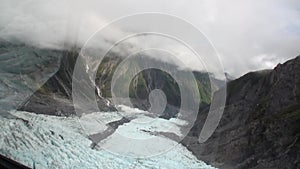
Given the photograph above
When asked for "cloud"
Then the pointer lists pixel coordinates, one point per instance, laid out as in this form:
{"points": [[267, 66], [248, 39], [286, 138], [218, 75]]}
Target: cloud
{"points": [[249, 35], [243, 31]]}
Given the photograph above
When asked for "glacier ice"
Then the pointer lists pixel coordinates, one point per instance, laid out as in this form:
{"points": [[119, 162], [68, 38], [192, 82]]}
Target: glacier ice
{"points": [[43, 141]]}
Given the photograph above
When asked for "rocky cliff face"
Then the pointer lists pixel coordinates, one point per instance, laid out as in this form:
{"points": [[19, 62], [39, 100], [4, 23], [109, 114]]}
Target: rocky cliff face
{"points": [[55, 96], [260, 127], [23, 70], [148, 80]]}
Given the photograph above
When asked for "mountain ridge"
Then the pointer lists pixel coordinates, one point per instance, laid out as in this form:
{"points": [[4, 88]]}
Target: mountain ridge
{"points": [[260, 124], [55, 96]]}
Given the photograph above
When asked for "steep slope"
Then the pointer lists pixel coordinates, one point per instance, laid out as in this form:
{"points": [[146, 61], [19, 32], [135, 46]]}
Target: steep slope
{"points": [[55, 96], [147, 80], [23, 70], [260, 127]]}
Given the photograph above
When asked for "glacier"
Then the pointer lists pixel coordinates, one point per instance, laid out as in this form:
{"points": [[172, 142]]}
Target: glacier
{"points": [[43, 141]]}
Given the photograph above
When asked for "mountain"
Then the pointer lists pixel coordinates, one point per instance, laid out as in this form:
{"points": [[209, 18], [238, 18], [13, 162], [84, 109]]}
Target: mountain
{"points": [[23, 70], [55, 96], [149, 79], [260, 127]]}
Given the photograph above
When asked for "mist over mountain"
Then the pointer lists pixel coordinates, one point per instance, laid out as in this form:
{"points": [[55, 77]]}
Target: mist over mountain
{"points": [[55, 96], [141, 84], [248, 36], [259, 127]]}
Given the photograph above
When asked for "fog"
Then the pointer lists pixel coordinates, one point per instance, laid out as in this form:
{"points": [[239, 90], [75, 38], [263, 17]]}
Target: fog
{"points": [[248, 35]]}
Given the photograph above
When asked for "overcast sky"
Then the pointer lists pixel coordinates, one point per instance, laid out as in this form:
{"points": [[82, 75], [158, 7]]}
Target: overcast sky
{"points": [[249, 34]]}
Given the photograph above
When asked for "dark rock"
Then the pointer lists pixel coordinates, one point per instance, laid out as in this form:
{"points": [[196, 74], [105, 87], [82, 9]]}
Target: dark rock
{"points": [[112, 127], [61, 137], [23, 68], [52, 132], [148, 80], [55, 96], [260, 127]]}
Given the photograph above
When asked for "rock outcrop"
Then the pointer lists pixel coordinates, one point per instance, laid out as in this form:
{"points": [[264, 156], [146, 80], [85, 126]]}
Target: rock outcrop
{"points": [[150, 79], [260, 127], [55, 96], [23, 69]]}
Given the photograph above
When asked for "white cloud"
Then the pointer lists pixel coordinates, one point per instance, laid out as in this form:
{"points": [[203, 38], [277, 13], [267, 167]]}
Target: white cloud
{"points": [[264, 61], [243, 32]]}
